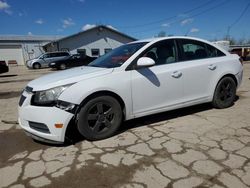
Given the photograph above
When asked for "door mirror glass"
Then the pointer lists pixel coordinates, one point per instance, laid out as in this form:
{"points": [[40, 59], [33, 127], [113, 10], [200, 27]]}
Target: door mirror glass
{"points": [[145, 62]]}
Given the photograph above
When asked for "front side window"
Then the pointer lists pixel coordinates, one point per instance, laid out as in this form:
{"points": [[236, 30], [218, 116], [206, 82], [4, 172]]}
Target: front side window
{"points": [[53, 55], [42, 56], [162, 52], [118, 56], [46, 56]]}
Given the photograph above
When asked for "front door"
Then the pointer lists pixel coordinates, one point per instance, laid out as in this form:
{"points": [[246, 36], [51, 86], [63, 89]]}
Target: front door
{"points": [[155, 88]]}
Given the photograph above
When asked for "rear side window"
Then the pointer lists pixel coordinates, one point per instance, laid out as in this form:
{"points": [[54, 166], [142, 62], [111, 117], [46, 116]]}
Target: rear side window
{"points": [[53, 55], [59, 54], [214, 52], [192, 50], [62, 54]]}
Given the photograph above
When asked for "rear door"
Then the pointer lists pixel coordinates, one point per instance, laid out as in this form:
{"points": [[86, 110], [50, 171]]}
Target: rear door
{"points": [[56, 56], [200, 65], [51, 57]]}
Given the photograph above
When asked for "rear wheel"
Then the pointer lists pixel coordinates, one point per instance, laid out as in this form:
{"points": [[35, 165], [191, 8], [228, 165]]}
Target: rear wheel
{"points": [[99, 118], [225, 93], [36, 66], [62, 66]]}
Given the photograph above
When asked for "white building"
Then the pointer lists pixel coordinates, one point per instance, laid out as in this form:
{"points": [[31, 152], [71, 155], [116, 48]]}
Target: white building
{"points": [[223, 44], [18, 49], [92, 42]]}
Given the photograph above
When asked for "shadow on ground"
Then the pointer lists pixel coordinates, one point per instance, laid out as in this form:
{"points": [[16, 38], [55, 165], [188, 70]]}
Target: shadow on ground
{"points": [[8, 75], [73, 136]]}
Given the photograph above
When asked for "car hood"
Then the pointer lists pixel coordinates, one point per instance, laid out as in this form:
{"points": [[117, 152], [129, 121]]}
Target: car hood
{"points": [[67, 77], [33, 59]]}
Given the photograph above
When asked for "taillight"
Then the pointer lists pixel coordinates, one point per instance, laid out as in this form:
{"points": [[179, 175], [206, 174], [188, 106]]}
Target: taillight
{"points": [[241, 60]]}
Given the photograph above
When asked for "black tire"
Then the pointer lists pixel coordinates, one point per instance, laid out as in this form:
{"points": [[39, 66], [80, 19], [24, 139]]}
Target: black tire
{"points": [[36, 66], [225, 93], [99, 118], [62, 66]]}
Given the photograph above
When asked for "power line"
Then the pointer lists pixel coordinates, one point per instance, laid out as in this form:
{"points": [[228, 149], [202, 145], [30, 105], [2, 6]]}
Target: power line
{"points": [[204, 11], [241, 15], [237, 20], [166, 19], [192, 16]]}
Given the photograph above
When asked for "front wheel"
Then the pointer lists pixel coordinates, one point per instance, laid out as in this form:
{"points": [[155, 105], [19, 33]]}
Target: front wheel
{"points": [[99, 118], [36, 66], [225, 93]]}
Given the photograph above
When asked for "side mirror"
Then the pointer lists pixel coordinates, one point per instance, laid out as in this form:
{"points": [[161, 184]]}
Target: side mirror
{"points": [[145, 62]]}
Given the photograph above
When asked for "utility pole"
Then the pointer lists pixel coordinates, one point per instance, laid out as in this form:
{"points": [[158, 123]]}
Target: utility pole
{"points": [[228, 33]]}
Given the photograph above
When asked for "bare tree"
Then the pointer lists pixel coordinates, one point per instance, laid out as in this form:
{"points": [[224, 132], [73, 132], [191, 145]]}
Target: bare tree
{"points": [[161, 34]]}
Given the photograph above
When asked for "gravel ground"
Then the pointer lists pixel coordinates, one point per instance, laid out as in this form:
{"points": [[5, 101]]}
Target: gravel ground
{"points": [[193, 147]]}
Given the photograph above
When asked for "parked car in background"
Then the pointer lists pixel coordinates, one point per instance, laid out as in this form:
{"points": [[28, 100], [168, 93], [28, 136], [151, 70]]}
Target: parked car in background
{"points": [[44, 59], [243, 52], [71, 61], [4, 67], [134, 80]]}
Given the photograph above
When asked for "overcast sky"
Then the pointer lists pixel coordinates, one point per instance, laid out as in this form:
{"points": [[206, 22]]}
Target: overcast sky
{"points": [[207, 19]]}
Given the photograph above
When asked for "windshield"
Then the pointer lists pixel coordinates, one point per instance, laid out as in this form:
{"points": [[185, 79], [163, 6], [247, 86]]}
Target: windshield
{"points": [[39, 57], [118, 56]]}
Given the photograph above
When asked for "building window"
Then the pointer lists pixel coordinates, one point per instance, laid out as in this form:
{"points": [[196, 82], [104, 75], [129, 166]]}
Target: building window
{"points": [[106, 50], [95, 52], [81, 51]]}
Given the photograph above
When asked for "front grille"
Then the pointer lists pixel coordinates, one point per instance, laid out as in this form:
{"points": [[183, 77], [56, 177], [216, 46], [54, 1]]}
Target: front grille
{"points": [[22, 99], [39, 127]]}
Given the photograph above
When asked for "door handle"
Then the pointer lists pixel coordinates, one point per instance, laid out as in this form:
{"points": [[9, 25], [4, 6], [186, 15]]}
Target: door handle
{"points": [[212, 67], [176, 74]]}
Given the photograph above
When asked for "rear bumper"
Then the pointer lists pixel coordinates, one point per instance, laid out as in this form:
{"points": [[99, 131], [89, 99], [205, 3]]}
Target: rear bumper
{"points": [[4, 69], [239, 77]]}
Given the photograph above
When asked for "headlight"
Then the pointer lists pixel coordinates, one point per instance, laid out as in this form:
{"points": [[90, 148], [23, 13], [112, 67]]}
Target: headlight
{"points": [[48, 97]]}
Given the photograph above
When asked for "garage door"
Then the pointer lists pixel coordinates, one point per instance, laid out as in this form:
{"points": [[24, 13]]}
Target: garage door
{"points": [[12, 53]]}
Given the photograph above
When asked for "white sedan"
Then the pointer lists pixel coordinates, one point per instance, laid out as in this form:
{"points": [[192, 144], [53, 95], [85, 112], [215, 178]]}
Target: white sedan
{"points": [[137, 79]]}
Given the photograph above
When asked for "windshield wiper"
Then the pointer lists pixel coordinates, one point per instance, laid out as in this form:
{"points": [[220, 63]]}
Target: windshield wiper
{"points": [[93, 65]]}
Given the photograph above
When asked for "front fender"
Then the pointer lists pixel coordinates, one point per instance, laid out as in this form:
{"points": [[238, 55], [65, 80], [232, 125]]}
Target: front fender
{"points": [[118, 83]]}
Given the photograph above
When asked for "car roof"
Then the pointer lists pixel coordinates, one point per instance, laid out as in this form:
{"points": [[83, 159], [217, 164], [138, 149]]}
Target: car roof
{"points": [[56, 52], [171, 37], [153, 40]]}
